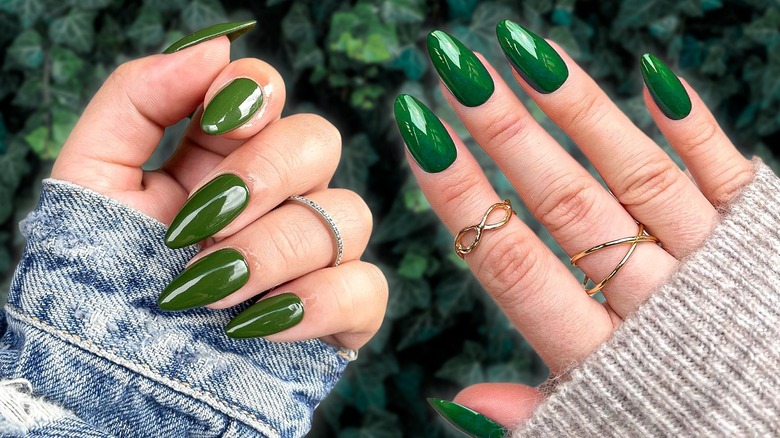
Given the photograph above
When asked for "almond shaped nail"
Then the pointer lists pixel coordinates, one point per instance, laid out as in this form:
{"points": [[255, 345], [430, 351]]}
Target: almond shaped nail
{"points": [[460, 69], [208, 210], [231, 30], [266, 317], [665, 88], [425, 136], [532, 57], [233, 106], [468, 421], [208, 280]]}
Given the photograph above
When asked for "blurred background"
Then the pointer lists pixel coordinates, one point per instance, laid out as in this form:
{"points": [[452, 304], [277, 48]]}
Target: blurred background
{"points": [[347, 60]]}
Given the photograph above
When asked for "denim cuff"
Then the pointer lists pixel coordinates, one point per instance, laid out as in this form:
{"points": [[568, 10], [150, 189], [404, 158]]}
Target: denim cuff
{"points": [[90, 276]]}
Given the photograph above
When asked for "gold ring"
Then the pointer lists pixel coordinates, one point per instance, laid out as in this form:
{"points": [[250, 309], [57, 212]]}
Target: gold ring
{"points": [[482, 226], [641, 236]]}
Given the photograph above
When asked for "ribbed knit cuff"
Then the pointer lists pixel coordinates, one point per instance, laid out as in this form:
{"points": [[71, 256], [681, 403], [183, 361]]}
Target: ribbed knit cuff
{"points": [[702, 356]]}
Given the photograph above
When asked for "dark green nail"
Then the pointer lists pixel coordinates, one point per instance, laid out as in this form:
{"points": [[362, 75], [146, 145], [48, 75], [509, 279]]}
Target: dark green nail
{"points": [[209, 279], [231, 30], [467, 421], [208, 210], [532, 57], [266, 317], [428, 142], [665, 87], [459, 69], [232, 106]]}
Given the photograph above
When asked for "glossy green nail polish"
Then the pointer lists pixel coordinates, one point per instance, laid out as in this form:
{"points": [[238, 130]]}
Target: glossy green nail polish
{"points": [[209, 279], [208, 210], [665, 87], [232, 106], [459, 69], [428, 142], [532, 57], [231, 30], [467, 421], [266, 317]]}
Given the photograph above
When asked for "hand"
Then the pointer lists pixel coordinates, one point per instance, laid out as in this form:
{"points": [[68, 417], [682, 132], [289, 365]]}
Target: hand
{"points": [[536, 291], [246, 166]]}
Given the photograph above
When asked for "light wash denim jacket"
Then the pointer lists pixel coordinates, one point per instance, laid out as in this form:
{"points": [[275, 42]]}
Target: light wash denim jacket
{"points": [[86, 352]]}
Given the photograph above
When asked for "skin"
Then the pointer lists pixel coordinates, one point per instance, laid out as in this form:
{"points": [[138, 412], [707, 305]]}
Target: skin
{"points": [[544, 301], [276, 158]]}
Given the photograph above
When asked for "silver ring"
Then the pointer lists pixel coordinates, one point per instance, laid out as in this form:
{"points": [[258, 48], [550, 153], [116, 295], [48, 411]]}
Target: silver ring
{"points": [[331, 223]]}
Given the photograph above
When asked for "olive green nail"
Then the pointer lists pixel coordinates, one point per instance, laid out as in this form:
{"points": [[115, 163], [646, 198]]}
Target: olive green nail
{"points": [[665, 87], [232, 106], [266, 317], [470, 422], [209, 279], [460, 70], [425, 136], [208, 210], [231, 30], [532, 57]]}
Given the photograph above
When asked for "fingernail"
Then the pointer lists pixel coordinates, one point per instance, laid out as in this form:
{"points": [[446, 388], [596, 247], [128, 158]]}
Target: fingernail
{"points": [[665, 87], [232, 106], [470, 422], [425, 136], [460, 70], [231, 30], [209, 279], [266, 317], [208, 210], [532, 57]]}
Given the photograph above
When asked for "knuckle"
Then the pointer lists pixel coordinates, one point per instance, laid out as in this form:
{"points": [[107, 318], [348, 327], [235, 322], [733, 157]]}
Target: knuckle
{"points": [[459, 193], [700, 143], [354, 208], [728, 188], [319, 128], [509, 127], [510, 271], [589, 110], [290, 245], [569, 205], [649, 181]]}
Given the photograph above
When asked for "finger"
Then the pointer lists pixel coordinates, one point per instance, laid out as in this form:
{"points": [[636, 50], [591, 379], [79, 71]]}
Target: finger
{"points": [[124, 122], [641, 175], [247, 95], [343, 305], [290, 241], [523, 276], [506, 403], [294, 155], [577, 211], [718, 168]]}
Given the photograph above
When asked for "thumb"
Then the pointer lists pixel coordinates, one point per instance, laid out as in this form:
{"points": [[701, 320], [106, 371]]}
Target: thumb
{"points": [[124, 122], [477, 408]]}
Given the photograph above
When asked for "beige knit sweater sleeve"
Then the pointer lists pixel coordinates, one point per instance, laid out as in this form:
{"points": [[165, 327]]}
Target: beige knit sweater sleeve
{"points": [[702, 356]]}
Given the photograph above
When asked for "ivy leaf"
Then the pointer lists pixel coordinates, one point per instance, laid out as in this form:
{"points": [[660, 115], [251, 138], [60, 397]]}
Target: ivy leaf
{"points": [[413, 266], [423, 327], [202, 13], [764, 29], [361, 36], [456, 294], [27, 50], [403, 11], [408, 294], [357, 157], [93, 4], [65, 65], [74, 30], [461, 9], [466, 368], [28, 11], [412, 62], [634, 13], [147, 29], [363, 383], [29, 94]]}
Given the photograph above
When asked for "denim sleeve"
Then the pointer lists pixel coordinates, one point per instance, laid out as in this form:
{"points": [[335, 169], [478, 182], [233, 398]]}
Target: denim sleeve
{"points": [[83, 328]]}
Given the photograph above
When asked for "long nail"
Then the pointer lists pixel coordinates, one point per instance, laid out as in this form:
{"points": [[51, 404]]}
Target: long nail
{"points": [[470, 422], [209, 279], [232, 106], [532, 57], [231, 30], [266, 317], [208, 210], [460, 70], [425, 136], [665, 87]]}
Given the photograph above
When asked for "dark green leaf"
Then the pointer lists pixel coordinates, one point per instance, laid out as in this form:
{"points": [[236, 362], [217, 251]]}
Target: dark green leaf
{"points": [[65, 65], [92, 4], [466, 368], [422, 328], [74, 30], [456, 294], [27, 50], [407, 294], [377, 423], [412, 62], [147, 29], [199, 14], [403, 11], [357, 157], [461, 9], [28, 11]]}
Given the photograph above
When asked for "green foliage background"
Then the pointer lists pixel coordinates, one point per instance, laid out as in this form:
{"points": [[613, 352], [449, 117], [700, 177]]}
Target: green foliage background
{"points": [[347, 60]]}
